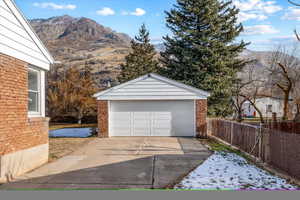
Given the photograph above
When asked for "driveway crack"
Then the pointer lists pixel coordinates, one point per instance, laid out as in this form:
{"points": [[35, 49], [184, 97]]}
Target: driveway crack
{"points": [[153, 171]]}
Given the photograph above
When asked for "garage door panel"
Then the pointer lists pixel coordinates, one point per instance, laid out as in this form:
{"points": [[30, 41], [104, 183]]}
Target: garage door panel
{"points": [[152, 118], [120, 116], [141, 124], [141, 132], [121, 124], [121, 132], [162, 132], [141, 116], [165, 124], [160, 115]]}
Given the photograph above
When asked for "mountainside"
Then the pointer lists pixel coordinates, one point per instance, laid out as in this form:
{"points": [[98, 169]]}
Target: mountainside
{"points": [[261, 62], [76, 41]]}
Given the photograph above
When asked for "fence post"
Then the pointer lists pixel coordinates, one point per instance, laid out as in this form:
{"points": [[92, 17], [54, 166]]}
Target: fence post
{"points": [[208, 121], [231, 133], [260, 135], [266, 145]]}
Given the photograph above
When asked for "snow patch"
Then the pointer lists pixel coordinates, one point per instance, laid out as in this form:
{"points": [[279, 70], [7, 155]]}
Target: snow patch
{"points": [[71, 133], [228, 171]]}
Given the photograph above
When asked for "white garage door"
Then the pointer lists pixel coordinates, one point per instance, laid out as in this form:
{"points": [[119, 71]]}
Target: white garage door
{"points": [[152, 118]]}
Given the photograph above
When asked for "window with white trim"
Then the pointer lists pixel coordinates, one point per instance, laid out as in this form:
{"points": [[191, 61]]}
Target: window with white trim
{"points": [[34, 92]]}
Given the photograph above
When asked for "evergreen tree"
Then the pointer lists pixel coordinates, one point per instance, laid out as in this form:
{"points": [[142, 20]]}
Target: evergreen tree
{"points": [[202, 51], [141, 60]]}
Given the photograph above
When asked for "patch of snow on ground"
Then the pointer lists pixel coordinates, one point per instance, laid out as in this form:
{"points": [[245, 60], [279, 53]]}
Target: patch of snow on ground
{"points": [[71, 133], [230, 171]]}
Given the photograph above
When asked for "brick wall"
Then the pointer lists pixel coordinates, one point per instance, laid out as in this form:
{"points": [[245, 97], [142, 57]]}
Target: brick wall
{"points": [[201, 115], [17, 131], [103, 119]]}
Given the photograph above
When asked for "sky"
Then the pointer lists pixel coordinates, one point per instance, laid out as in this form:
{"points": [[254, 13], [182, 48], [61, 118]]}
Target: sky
{"points": [[267, 23]]}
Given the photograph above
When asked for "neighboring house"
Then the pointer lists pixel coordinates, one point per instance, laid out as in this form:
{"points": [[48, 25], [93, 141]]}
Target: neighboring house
{"points": [[152, 106], [267, 105], [24, 61]]}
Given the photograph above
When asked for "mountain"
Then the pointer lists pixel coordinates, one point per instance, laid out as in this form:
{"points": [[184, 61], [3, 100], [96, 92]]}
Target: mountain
{"points": [[160, 47], [260, 63], [76, 41]]}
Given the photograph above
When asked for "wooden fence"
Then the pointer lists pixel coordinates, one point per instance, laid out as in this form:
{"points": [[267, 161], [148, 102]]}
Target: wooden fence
{"points": [[274, 147], [290, 127]]}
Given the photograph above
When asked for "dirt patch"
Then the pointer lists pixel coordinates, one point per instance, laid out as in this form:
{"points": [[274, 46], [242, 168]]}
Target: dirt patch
{"points": [[60, 147]]}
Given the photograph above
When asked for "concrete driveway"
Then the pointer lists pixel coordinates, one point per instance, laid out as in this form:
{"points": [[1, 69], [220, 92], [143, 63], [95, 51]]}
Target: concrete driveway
{"points": [[119, 163]]}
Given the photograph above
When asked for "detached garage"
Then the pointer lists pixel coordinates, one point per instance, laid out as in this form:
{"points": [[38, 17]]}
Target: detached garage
{"points": [[152, 105]]}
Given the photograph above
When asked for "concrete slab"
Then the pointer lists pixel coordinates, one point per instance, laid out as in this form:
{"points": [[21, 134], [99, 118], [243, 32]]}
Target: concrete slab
{"points": [[170, 169], [119, 163]]}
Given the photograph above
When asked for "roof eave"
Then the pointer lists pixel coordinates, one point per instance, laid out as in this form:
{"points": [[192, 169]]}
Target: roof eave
{"points": [[40, 44]]}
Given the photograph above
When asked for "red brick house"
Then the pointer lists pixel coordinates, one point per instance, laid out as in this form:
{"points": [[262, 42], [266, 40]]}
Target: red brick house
{"points": [[152, 105], [24, 61]]}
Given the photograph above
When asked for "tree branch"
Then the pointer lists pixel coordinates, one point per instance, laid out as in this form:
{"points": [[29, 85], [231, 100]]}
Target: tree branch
{"points": [[286, 75], [295, 4], [297, 35]]}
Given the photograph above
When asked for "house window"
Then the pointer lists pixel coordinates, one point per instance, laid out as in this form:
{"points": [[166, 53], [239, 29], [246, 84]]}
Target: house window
{"points": [[269, 108], [34, 92]]}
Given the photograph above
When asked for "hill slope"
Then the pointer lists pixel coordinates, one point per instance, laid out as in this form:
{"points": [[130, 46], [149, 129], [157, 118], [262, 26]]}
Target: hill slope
{"points": [[75, 41]]}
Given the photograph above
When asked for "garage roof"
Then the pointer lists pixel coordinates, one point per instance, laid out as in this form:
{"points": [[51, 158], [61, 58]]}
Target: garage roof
{"points": [[152, 87]]}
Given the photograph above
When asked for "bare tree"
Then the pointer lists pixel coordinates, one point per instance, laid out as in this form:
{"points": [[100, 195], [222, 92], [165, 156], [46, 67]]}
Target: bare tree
{"points": [[284, 65], [238, 89], [252, 94], [247, 88], [238, 101], [296, 100], [295, 4], [296, 93], [70, 93]]}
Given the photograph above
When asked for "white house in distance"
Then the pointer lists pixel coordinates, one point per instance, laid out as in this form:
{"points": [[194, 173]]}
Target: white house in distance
{"points": [[152, 105], [267, 105], [24, 61]]}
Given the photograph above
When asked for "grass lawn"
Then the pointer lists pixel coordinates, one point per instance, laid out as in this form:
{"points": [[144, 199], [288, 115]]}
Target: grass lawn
{"points": [[60, 147]]}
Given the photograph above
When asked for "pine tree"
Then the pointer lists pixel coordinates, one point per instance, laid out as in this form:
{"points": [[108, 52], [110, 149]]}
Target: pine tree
{"points": [[141, 60], [202, 51]]}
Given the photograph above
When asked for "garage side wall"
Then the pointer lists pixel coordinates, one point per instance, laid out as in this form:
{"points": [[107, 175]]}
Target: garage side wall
{"points": [[103, 126], [201, 115]]}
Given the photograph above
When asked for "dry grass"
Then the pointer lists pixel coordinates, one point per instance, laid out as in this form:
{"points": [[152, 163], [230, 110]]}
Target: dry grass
{"points": [[60, 147], [61, 126]]}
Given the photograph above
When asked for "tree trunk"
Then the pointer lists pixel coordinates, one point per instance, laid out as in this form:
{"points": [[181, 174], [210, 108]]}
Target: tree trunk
{"points": [[286, 105], [259, 112], [240, 115], [297, 115], [79, 118], [260, 115]]}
